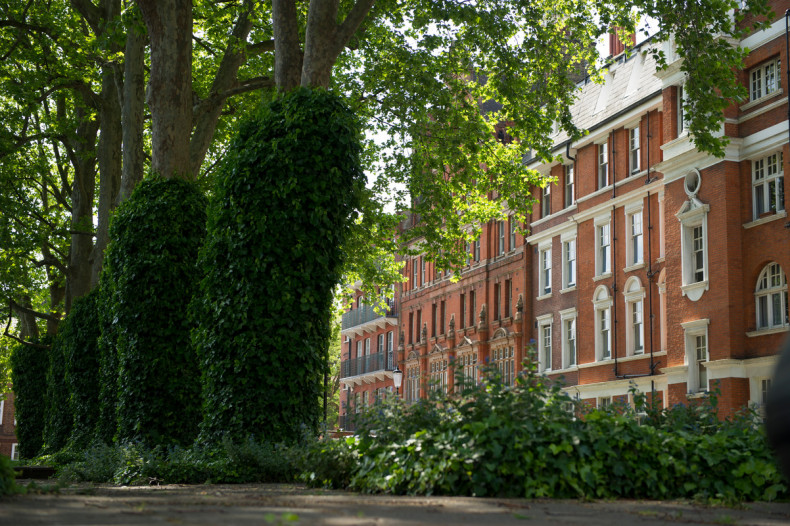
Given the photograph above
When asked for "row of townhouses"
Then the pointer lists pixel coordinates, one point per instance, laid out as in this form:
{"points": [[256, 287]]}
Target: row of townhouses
{"points": [[646, 261]]}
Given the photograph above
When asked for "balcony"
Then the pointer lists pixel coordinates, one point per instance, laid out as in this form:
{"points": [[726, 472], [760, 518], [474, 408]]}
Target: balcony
{"points": [[367, 369], [365, 319]]}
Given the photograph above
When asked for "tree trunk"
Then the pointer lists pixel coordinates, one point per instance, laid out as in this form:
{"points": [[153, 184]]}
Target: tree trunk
{"points": [[78, 280], [169, 96], [28, 330], [287, 51], [132, 112], [109, 160]]}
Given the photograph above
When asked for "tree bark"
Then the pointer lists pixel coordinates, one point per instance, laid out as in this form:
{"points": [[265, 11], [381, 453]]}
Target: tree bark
{"points": [[325, 39], [287, 50], [28, 329], [169, 96], [78, 279], [109, 160], [132, 112]]}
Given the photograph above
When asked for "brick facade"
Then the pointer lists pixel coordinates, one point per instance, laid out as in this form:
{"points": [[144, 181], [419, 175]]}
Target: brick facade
{"points": [[679, 258]]}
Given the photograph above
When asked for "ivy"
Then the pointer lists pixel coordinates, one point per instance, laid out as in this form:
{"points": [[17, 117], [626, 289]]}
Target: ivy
{"points": [[78, 338], [58, 417], [284, 203], [29, 365], [151, 275]]}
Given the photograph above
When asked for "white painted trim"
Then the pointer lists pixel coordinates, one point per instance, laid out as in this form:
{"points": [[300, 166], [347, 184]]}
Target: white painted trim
{"points": [[767, 219], [761, 38], [766, 332]]}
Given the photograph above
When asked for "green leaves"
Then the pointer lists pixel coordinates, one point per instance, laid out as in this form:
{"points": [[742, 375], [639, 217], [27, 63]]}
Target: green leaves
{"points": [[285, 200], [29, 365], [149, 279]]}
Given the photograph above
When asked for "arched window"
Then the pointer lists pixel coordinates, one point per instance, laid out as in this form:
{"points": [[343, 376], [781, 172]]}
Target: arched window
{"points": [[771, 297]]}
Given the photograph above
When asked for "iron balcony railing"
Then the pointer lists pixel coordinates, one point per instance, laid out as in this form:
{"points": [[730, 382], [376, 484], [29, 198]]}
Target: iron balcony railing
{"points": [[365, 314], [380, 361]]}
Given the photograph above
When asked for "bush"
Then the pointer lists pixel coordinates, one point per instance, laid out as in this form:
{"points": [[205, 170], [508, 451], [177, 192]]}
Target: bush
{"points": [[151, 274], [284, 202], [29, 365], [58, 418], [107, 418], [524, 441], [78, 339]]}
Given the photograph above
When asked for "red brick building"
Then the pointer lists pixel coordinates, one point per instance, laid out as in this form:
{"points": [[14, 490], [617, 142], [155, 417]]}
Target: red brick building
{"points": [[8, 441], [647, 261]]}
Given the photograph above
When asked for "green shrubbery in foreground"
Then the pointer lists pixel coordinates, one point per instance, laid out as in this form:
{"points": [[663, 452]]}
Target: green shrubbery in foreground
{"points": [[529, 440]]}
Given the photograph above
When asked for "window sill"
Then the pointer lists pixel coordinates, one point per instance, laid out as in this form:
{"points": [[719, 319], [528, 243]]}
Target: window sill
{"points": [[697, 395], [605, 275], [766, 332], [598, 192], [566, 290], [766, 219], [755, 102], [694, 291], [545, 296], [569, 369], [634, 267]]}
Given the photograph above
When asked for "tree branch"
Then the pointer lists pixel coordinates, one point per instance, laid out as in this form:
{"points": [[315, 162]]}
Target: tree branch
{"points": [[13, 337], [89, 12], [27, 27], [352, 22], [19, 308], [260, 47]]}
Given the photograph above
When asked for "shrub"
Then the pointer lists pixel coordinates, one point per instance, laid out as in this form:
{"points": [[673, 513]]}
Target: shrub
{"points": [[29, 365], [58, 417], [7, 484], [284, 202], [523, 441], [78, 339], [107, 418], [151, 274]]}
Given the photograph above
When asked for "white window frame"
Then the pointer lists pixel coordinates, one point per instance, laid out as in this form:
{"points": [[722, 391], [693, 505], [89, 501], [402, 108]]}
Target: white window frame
{"points": [[635, 237], [764, 80], [569, 265], [570, 348], [602, 303], [545, 201], [768, 185], [2, 410], [634, 150], [501, 237], [693, 215], [512, 232], [682, 113], [415, 272], [603, 165], [691, 330], [14, 451], [603, 247], [570, 182], [766, 289], [544, 269], [545, 322], [634, 295]]}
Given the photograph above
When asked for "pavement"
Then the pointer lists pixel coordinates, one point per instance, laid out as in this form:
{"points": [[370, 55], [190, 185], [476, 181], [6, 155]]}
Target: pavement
{"points": [[286, 504]]}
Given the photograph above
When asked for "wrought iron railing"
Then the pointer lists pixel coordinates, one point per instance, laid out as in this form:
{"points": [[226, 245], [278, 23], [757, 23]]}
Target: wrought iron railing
{"points": [[371, 363], [346, 422], [365, 314]]}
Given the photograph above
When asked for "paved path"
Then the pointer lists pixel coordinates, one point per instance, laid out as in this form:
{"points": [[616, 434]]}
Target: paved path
{"points": [[263, 504]]}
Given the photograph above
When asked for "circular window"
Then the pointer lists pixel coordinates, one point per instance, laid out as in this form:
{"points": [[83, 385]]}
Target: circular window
{"points": [[692, 183]]}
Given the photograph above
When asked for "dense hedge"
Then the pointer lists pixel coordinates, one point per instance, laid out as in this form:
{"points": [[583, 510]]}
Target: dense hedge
{"points": [[78, 338], [7, 484], [29, 366], [59, 418], [151, 275], [284, 203]]}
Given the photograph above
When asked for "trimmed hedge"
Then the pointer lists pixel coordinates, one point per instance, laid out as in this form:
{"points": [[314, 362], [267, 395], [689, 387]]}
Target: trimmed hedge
{"points": [[58, 419], [7, 483], [29, 366], [78, 338], [107, 421], [151, 275], [285, 199]]}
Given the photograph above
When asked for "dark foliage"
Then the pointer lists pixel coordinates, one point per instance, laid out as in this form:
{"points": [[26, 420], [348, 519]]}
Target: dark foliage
{"points": [[29, 366], [151, 275], [283, 206], [107, 422], [58, 419], [78, 339]]}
